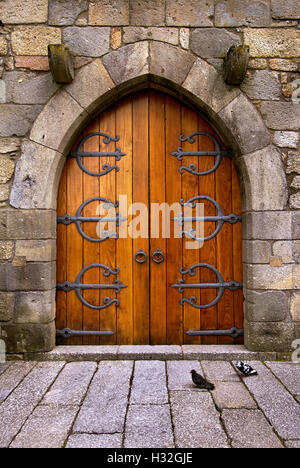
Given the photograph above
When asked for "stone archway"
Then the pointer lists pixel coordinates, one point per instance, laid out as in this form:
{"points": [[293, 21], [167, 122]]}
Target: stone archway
{"points": [[194, 81]]}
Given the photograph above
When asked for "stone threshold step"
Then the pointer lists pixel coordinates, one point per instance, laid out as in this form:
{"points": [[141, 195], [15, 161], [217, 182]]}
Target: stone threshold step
{"points": [[147, 352]]}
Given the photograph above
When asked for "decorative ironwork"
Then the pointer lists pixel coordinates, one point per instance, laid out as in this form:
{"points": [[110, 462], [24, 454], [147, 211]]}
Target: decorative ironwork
{"points": [[221, 285], [141, 256], [68, 333], [233, 332], [158, 256], [218, 153], [78, 219], [220, 219], [78, 154], [78, 286]]}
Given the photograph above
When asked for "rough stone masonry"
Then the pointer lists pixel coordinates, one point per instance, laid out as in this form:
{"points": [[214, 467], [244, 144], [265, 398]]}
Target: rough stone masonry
{"points": [[119, 40]]}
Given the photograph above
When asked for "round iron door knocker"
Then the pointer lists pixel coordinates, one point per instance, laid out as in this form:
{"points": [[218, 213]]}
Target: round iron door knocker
{"points": [[141, 256], [158, 256]]}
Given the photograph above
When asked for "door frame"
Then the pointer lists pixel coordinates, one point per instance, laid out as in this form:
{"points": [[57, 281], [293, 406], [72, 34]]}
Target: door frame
{"points": [[230, 113]]}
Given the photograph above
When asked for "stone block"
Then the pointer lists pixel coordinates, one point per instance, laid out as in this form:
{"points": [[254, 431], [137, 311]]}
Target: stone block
{"points": [[277, 42], [284, 250], [47, 427], [23, 11], [231, 13], [116, 38], [285, 65], [7, 168], [7, 301], [286, 139], [3, 46], [157, 352], [34, 40], [269, 336], [293, 162], [29, 338], [36, 177], [17, 119], [256, 251], [149, 426], [65, 13], [246, 125], [149, 385], [32, 276], [288, 373], [139, 33], [96, 83], [267, 277], [295, 183], [179, 377], [6, 250], [170, 62], [34, 307], [35, 63], [36, 250], [296, 225], [219, 371], [262, 85], [4, 192], [39, 224], [290, 9], [258, 64], [213, 42], [295, 307], [147, 12], [87, 42], [189, 13], [270, 306], [249, 429], [109, 13], [263, 169], [13, 377], [281, 115], [184, 38], [128, 62], [57, 123], [9, 145], [95, 441], [78, 353], [223, 353], [295, 201], [28, 88]]}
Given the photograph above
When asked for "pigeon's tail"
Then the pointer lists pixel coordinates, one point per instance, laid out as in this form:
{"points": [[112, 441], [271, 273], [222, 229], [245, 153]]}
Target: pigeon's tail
{"points": [[209, 386]]}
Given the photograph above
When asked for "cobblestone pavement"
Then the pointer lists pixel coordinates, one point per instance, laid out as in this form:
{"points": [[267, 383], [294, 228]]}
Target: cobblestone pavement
{"points": [[135, 404]]}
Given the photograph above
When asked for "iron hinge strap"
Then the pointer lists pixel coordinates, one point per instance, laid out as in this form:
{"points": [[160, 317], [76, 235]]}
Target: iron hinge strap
{"points": [[68, 333], [233, 332]]}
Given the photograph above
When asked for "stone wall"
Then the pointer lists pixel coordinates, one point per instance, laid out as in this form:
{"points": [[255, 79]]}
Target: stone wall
{"points": [[199, 32]]}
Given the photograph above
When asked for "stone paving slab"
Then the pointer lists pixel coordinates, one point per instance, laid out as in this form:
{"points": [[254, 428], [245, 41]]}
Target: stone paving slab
{"points": [[159, 352], [196, 421], [14, 374], [4, 366], [149, 384], [219, 371], [179, 377], [105, 405], [224, 353], [19, 405], [47, 427], [71, 385], [288, 373], [249, 429], [293, 444], [95, 441], [149, 426], [232, 395], [277, 404]]}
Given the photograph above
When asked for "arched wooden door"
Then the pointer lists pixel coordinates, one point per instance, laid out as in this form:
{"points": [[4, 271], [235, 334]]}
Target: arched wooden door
{"points": [[151, 149]]}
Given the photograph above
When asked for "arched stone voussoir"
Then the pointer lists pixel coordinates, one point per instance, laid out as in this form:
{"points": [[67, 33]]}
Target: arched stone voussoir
{"points": [[37, 177], [264, 180], [58, 122]]}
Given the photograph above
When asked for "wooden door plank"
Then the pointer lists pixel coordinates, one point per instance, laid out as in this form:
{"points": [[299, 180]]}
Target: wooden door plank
{"points": [[124, 244], [190, 189], [91, 251], [157, 181], [224, 247], [108, 316], [75, 247], [237, 253], [208, 251], [174, 245], [141, 195]]}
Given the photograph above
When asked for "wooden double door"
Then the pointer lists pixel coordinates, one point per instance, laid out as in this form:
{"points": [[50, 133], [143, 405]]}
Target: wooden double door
{"points": [[119, 274]]}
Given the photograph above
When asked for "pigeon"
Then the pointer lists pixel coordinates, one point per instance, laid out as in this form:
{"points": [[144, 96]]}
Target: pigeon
{"points": [[245, 369], [1, 24], [201, 382]]}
